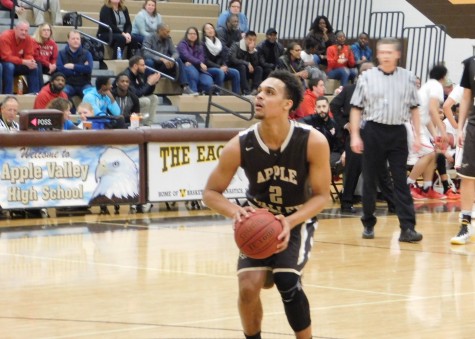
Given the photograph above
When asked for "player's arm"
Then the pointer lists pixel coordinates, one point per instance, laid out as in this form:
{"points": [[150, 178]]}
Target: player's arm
{"points": [[465, 104], [318, 155], [355, 122], [447, 108], [221, 177], [416, 124], [434, 115]]}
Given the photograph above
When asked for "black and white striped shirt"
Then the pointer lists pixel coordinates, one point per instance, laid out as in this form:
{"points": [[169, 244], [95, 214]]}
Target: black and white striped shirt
{"points": [[387, 98], [13, 126]]}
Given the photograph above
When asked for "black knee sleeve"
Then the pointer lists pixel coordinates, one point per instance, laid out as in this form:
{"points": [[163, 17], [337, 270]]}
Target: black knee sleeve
{"points": [[297, 308]]}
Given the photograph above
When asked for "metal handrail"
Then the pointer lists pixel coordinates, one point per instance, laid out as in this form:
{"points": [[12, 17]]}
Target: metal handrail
{"points": [[227, 110], [97, 22], [165, 57]]}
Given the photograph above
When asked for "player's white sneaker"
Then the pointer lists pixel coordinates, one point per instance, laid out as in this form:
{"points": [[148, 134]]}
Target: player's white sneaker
{"points": [[463, 236]]}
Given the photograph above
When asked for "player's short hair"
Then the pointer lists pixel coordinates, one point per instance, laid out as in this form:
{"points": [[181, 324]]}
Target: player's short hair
{"points": [[293, 86], [438, 72], [389, 41]]}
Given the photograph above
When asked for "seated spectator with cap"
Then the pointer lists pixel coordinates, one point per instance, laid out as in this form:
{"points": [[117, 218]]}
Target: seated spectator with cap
{"points": [[52, 90], [270, 50]]}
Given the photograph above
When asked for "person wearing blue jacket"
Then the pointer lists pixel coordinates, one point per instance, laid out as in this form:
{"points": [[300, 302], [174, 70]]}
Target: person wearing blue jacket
{"points": [[234, 8], [104, 104], [101, 98], [76, 64]]}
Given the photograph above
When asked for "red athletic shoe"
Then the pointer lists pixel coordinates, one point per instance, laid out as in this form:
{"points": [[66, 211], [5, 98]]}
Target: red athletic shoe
{"points": [[451, 195], [431, 194], [416, 193]]}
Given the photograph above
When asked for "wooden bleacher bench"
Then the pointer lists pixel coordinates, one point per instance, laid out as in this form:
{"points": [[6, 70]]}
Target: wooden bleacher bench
{"points": [[219, 118], [25, 101], [164, 8]]}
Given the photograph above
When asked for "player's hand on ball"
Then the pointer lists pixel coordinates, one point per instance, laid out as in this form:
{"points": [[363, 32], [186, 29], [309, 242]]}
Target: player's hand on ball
{"points": [[284, 236], [242, 212]]}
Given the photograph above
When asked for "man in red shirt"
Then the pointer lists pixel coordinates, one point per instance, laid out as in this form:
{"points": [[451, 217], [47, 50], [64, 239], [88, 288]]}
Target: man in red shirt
{"points": [[341, 61], [316, 88], [17, 58], [52, 90]]}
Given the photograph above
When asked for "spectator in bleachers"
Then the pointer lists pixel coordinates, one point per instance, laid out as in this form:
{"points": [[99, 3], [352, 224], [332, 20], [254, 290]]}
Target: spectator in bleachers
{"points": [[308, 54], [146, 21], [9, 110], [234, 7], [193, 57], [270, 50], [84, 110], [115, 14], [162, 42], [20, 7], [315, 89], [101, 98], [46, 50], [143, 87], [321, 31], [361, 50], [216, 59], [341, 61], [292, 61], [52, 90], [17, 56], [63, 105], [244, 57], [320, 120], [125, 98], [231, 32], [76, 64]]}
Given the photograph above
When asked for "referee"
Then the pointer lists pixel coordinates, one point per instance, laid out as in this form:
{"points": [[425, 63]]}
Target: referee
{"points": [[388, 95]]}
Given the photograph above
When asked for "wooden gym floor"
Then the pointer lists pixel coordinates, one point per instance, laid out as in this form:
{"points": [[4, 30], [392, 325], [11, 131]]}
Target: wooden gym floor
{"points": [[171, 274]]}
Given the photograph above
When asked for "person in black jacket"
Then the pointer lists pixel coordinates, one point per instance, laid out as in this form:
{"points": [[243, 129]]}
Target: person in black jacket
{"points": [[143, 87], [244, 57], [269, 52], [231, 33], [323, 123], [115, 14], [125, 98]]}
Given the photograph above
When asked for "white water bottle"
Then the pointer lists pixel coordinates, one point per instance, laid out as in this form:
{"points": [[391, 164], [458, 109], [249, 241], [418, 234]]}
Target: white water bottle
{"points": [[119, 53]]}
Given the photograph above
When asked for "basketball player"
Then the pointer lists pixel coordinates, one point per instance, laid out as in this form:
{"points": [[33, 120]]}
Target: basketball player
{"points": [[287, 165]]}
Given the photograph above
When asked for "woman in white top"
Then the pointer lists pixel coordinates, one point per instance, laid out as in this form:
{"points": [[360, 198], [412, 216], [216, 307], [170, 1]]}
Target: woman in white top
{"points": [[146, 21]]}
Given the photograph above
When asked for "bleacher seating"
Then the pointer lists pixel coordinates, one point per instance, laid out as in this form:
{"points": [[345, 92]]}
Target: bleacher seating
{"points": [[179, 15]]}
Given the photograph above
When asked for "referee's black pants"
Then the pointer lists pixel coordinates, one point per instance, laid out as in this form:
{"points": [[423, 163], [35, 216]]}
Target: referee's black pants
{"points": [[386, 144]]}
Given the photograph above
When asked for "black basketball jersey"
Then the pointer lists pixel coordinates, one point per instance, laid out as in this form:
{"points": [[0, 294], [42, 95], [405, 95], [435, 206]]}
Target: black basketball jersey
{"points": [[277, 178], [468, 81]]}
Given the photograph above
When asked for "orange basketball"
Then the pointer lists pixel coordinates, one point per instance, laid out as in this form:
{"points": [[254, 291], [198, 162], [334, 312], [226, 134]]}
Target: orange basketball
{"points": [[256, 236]]}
